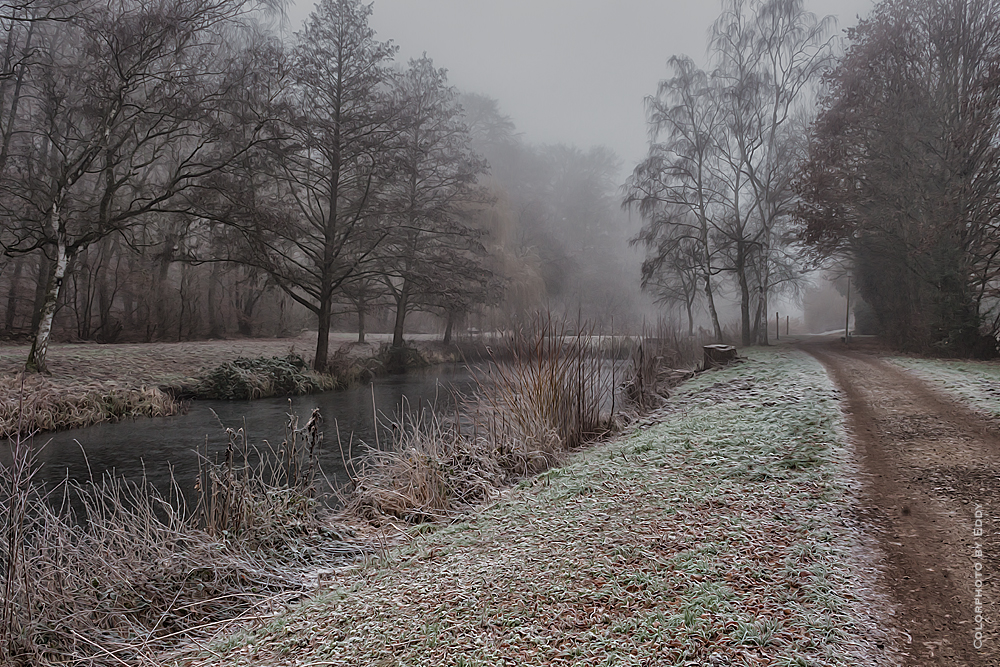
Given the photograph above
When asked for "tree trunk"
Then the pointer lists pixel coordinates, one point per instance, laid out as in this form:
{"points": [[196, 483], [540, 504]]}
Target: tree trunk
{"points": [[162, 277], [15, 102], [710, 295], [44, 275], [83, 301], [15, 282], [361, 320], [709, 292], [448, 327], [401, 305], [214, 321], [322, 337], [741, 275], [40, 342]]}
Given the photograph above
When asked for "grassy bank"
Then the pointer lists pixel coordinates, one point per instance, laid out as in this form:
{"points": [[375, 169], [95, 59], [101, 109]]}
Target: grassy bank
{"points": [[110, 572], [91, 383], [720, 536], [976, 383]]}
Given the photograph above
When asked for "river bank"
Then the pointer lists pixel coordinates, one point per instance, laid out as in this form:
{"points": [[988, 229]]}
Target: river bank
{"points": [[90, 383], [719, 530]]}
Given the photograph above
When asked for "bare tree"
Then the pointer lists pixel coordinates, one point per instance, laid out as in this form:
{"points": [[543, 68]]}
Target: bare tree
{"points": [[433, 255], [310, 207], [675, 187], [125, 120], [723, 151], [903, 177]]}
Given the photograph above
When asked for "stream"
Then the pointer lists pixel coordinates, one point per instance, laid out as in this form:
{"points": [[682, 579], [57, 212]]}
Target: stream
{"points": [[155, 447]]}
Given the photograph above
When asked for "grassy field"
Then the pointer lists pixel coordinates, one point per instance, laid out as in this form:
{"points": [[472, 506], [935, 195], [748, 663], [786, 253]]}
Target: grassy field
{"points": [[90, 383], [719, 531], [977, 383]]}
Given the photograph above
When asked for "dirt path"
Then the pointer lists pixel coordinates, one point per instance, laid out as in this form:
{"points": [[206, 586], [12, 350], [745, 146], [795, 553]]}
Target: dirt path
{"points": [[929, 466]]}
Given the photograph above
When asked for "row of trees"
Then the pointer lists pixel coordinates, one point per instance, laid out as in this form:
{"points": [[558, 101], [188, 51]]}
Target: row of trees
{"points": [[715, 192], [182, 132], [898, 180], [171, 168], [903, 172]]}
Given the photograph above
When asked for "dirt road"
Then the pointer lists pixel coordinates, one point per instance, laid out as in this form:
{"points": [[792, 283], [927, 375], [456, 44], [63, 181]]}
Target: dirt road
{"points": [[930, 469]]}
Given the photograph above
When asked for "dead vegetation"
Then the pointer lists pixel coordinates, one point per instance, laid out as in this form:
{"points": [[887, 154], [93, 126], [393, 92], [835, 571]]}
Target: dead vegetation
{"points": [[31, 403], [249, 378], [662, 359], [545, 393], [112, 572]]}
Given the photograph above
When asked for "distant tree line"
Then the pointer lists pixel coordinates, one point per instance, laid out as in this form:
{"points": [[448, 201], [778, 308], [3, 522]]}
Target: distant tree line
{"points": [[172, 170], [895, 177]]}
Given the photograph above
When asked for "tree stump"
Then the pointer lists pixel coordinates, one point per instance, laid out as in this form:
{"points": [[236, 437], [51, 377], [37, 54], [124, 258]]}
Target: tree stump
{"points": [[718, 355]]}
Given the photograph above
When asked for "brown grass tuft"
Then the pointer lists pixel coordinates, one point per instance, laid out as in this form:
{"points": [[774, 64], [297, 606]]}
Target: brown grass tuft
{"points": [[552, 392], [33, 403]]}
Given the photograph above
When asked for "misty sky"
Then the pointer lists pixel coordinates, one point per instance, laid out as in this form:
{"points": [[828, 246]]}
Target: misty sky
{"points": [[570, 71]]}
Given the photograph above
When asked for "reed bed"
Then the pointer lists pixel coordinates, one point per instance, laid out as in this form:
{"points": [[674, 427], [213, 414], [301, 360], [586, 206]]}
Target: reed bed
{"points": [[33, 403], [429, 468], [112, 572], [549, 394], [662, 358]]}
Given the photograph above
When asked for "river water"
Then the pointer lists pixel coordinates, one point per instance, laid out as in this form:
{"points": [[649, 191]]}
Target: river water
{"points": [[155, 447]]}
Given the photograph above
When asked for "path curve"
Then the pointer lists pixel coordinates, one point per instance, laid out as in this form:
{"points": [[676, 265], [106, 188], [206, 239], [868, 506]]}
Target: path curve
{"points": [[928, 464]]}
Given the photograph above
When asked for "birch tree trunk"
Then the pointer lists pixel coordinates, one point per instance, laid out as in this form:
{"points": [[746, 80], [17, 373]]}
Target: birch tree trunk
{"points": [[40, 341]]}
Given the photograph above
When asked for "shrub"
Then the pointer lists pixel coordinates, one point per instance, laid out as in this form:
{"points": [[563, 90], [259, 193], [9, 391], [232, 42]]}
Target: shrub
{"points": [[250, 378]]}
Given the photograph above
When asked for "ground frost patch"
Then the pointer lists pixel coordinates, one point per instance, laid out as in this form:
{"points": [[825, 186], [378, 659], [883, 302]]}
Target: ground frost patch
{"points": [[711, 537]]}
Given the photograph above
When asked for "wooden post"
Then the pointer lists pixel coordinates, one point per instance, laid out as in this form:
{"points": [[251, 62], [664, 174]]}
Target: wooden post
{"points": [[777, 327], [786, 324], [847, 319]]}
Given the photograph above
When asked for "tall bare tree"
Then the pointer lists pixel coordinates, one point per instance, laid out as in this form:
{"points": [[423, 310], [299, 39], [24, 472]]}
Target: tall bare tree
{"points": [[723, 151], [675, 188], [903, 177], [433, 256], [319, 190], [125, 120]]}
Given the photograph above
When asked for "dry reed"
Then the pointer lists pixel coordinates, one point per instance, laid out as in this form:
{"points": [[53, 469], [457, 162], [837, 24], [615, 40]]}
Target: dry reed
{"points": [[662, 358], [551, 392], [55, 405], [428, 469], [131, 573]]}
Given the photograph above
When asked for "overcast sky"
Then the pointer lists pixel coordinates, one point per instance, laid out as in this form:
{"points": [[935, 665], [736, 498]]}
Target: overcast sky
{"points": [[569, 71]]}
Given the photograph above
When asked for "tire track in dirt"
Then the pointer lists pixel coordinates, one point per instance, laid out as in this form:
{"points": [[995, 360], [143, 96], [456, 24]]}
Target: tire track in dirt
{"points": [[927, 463]]}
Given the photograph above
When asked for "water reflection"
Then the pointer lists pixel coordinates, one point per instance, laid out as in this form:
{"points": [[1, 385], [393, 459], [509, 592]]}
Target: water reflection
{"points": [[155, 447]]}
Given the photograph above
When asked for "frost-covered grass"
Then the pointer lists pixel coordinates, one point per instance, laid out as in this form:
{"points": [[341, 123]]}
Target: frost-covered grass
{"points": [[719, 536], [974, 382]]}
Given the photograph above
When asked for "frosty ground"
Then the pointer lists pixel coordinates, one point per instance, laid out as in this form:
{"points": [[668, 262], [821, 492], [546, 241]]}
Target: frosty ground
{"points": [[721, 530]]}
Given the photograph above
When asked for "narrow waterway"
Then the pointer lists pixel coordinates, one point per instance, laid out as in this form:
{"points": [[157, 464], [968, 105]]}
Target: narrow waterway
{"points": [[155, 448]]}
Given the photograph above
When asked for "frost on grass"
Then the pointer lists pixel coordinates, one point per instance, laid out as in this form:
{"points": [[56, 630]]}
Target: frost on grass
{"points": [[710, 538], [975, 382]]}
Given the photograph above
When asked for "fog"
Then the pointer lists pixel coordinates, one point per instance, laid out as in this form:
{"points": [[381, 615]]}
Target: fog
{"points": [[575, 73], [533, 117], [566, 71]]}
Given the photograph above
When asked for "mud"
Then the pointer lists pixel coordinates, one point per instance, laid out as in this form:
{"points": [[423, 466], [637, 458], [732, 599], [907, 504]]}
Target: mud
{"points": [[929, 470]]}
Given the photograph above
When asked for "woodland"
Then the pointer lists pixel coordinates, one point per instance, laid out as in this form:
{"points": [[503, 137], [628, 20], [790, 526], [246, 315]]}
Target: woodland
{"points": [[175, 171]]}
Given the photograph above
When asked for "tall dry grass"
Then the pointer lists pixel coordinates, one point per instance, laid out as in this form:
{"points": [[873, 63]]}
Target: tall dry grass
{"points": [[131, 572], [32, 403], [430, 466], [545, 392], [662, 358]]}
